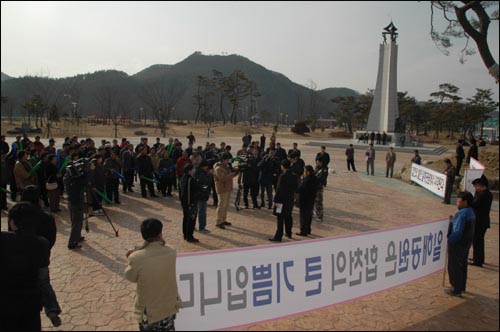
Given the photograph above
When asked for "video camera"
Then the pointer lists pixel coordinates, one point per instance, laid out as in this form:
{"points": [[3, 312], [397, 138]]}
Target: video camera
{"points": [[242, 162], [81, 167]]}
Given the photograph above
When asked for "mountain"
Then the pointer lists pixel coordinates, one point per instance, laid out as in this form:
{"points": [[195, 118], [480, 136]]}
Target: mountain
{"points": [[278, 93], [6, 77]]}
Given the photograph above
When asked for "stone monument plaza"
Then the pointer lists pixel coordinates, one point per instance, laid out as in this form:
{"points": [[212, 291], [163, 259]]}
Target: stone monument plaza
{"points": [[384, 112]]}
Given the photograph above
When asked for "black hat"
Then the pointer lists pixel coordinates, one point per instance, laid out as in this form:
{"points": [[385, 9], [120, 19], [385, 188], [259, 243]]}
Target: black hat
{"points": [[52, 140], [481, 181]]}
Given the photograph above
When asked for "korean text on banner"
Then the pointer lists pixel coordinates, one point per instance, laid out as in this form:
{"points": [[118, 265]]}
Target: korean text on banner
{"points": [[228, 288], [429, 179]]}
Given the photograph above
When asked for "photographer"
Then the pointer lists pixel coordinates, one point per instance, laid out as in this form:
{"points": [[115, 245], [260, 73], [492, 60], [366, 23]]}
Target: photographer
{"points": [[75, 180]]}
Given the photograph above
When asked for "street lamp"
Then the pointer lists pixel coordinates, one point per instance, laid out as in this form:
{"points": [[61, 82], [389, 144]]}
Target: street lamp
{"points": [[142, 114]]}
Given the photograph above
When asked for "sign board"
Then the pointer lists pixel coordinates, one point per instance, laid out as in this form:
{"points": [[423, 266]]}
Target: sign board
{"points": [[429, 179], [225, 289]]}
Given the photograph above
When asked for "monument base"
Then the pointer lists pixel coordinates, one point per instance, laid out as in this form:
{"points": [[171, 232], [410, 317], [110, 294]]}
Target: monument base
{"points": [[393, 139]]}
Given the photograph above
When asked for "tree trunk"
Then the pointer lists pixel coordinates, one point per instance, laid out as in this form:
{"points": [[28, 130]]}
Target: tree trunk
{"points": [[221, 108], [480, 37]]}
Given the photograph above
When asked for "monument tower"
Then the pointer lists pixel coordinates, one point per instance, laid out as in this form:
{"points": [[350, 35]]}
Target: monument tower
{"points": [[384, 110]]}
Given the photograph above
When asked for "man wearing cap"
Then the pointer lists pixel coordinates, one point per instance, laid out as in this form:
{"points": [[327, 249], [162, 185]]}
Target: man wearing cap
{"points": [[283, 202], [152, 266], [481, 206]]}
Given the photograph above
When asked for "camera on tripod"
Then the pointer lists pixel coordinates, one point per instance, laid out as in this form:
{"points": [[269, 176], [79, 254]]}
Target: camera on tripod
{"points": [[242, 162], [80, 168]]}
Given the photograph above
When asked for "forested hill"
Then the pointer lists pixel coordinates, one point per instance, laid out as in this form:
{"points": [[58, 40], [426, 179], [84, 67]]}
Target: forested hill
{"points": [[277, 93]]}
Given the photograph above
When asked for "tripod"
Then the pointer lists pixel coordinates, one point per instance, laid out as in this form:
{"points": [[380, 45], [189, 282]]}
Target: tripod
{"points": [[87, 215], [238, 193]]}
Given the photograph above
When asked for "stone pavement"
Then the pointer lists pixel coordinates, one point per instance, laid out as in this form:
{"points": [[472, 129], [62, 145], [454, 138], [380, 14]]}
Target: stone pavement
{"points": [[95, 296]]}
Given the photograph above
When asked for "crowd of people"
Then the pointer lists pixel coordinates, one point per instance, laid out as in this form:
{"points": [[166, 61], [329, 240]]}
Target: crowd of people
{"points": [[280, 178], [195, 173]]}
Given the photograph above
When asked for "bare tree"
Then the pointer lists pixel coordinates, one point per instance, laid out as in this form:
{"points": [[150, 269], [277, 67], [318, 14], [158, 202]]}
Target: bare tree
{"points": [[109, 102], [313, 103], [236, 87], [162, 96], [301, 105], [218, 80], [254, 94], [467, 19]]}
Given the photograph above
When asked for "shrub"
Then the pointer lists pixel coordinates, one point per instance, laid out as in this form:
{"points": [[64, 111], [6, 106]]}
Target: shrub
{"points": [[300, 128]]}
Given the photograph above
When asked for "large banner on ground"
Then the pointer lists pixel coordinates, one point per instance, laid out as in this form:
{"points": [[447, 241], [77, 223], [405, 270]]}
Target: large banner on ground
{"points": [[429, 179], [227, 288]]}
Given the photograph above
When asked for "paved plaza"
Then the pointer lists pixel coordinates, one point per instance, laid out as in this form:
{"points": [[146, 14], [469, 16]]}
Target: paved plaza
{"points": [[94, 295]]}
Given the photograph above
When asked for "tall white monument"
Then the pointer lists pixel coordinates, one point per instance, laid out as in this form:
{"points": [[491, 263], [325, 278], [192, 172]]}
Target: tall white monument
{"points": [[384, 110]]}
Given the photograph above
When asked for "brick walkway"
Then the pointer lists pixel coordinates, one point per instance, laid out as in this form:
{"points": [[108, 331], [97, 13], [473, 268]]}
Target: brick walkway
{"points": [[94, 295]]}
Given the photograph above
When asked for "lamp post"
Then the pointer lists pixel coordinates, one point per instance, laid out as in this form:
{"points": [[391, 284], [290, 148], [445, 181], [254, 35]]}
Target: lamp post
{"points": [[143, 115]]}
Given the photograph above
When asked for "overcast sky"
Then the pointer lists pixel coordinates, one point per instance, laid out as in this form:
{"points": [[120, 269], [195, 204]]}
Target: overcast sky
{"points": [[335, 44]]}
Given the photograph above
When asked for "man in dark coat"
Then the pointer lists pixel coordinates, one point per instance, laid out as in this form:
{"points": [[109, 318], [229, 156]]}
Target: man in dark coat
{"points": [[481, 206], [307, 195], [460, 236], [450, 180], [460, 155], [251, 180], [22, 254], [113, 167], [145, 169], [189, 201], [473, 151], [45, 226], [283, 202]]}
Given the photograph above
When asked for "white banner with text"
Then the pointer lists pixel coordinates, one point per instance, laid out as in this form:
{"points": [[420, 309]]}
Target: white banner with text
{"points": [[429, 179], [475, 171], [224, 289]]}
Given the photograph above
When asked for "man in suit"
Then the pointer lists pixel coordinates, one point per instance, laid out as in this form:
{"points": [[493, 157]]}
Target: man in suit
{"points": [[450, 180], [283, 202], [460, 155], [481, 206], [370, 160], [390, 160]]}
